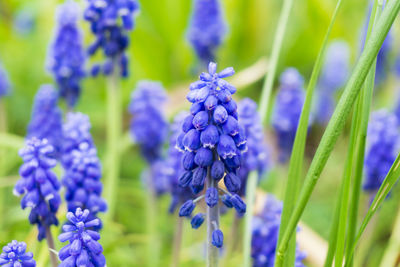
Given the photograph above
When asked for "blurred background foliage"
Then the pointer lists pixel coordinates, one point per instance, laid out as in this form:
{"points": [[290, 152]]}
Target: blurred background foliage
{"points": [[159, 51]]}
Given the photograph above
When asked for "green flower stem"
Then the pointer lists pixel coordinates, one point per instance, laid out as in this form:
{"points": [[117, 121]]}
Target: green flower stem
{"points": [[212, 224], [50, 244], [393, 248], [114, 125], [263, 110], [391, 178], [336, 124], [297, 157], [153, 244], [276, 50], [176, 248], [3, 152]]}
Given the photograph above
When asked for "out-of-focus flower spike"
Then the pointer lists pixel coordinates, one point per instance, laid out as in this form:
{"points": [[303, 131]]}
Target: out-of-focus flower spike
{"points": [[5, 85]]}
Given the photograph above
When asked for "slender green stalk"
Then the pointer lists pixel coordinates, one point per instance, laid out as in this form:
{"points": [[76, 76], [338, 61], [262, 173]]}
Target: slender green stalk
{"points": [[3, 162], [336, 124], [151, 221], [391, 178], [50, 244], [263, 109], [114, 125], [176, 245], [392, 250], [297, 156], [276, 50], [212, 224]]}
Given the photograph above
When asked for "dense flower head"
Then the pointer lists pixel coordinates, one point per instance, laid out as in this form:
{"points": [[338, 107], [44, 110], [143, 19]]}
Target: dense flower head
{"points": [[109, 21], [207, 28], [288, 105], [82, 180], [76, 130], [46, 118], [213, 142], [382, 148], [256, 157], [265, 235], [83, 248], [149, 127], [66, 58], [5, 85], [173, 165], [39, 184], [334, 74], [14, 255]]}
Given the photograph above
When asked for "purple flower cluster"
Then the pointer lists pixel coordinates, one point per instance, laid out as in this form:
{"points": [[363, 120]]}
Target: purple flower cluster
{"points": [[82, 178], [109, 21], [39, 184], [14, 255], [333, 77], [288, 106], [256, 157], [4, 82], [66, 57], [207, 28], [213, 142], [382, 148], [46, 119], [265, 235], [83, 248], [149, 127]]}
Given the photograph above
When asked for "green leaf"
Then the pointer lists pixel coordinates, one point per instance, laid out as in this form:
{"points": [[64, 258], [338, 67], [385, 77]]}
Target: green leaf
{"points": [[297, 156], [336, 124], [11, 141]]}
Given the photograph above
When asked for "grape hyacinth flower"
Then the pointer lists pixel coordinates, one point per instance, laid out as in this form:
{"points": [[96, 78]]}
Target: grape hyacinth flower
{"points": [[110, 20], [213, 142], [207, 28], [174, 165], [288, 106], [46, 119], [83, 248], [256, 157], [149, 127], [82, 180], [4, 82], [334, 74], [14, 255], [265, 235], [39, 184], [66, 58], [382, 148]]}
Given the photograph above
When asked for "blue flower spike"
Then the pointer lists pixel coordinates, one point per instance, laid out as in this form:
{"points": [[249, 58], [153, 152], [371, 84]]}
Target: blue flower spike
{"points": [[39, 185], [15, 255], [213, 142], [83, 248], [5, 85]]}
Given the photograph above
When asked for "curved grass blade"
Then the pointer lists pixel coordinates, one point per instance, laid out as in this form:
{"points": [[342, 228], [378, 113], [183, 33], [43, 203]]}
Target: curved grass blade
{"points": [[297, 156], [336, 124], [11, 141]]}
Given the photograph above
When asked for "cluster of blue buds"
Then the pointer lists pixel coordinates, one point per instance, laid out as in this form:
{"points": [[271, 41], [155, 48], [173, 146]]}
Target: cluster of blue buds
{"points": [[213, 142], [83, 248], [66, 57], [15, 255], [333, 77], [39, 184], [288, 106], [382, 148], [46, 119], [207, 28], [109, 21], [82, 178], [174, 168], [4, 82], [149, 127], [257, 156], [265, 235]]}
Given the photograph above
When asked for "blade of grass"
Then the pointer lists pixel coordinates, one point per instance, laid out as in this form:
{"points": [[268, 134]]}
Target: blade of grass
{"points": [[339, 116], [393, 248], [263, 108], [11, 141], [391, 178], [297, 157]]}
